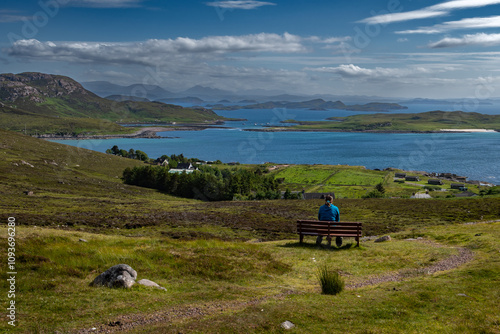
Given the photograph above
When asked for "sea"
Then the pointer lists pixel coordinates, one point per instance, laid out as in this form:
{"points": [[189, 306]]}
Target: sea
{"points": [[474, 155]]}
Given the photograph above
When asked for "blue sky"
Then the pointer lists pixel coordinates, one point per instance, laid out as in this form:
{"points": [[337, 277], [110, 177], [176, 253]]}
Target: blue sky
{"points": [[393, 48]]}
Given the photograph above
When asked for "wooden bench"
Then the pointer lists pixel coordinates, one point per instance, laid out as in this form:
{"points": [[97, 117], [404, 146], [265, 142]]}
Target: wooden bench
{"points": [[329, 229]]}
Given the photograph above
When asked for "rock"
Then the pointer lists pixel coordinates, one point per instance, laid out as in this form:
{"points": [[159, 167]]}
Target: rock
{"points": [[287, 325], [82, 240], [383, 239], [119, 276], [147, 282]]}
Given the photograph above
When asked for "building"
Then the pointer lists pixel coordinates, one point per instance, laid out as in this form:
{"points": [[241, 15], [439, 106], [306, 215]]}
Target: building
{"points": [[412, 178], [459, 186], [400, 175], [435, 182]]}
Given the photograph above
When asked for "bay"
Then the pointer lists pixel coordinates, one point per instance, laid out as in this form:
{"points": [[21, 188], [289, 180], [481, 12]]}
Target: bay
{"points": [[475, 155]]}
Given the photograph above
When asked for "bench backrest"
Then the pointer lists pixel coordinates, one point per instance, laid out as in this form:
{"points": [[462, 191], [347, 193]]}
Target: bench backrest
{"points": [[316, 227]]}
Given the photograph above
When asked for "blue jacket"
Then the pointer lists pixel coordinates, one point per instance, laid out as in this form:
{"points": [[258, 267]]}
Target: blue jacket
{"points": [[329, 213]]}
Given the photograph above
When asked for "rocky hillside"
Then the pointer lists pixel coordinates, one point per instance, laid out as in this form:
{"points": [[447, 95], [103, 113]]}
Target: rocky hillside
{"points": [[37, 87], [38, 98]]}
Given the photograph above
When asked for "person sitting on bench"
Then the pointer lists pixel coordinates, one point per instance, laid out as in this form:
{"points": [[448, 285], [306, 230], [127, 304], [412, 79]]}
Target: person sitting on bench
{"points": [[329, 212]]}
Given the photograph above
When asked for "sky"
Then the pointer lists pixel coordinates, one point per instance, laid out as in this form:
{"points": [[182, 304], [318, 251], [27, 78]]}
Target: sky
{"points": [[389, 48]]}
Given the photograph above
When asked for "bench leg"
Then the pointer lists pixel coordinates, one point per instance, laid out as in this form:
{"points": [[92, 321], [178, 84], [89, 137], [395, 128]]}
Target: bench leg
{"points": [[357, 240], [301, 238], [329, 239]]}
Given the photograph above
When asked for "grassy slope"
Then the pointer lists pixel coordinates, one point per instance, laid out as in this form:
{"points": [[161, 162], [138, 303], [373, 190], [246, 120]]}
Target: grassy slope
{"points": [[428, 121], [355, 181], [84, 110], [77, 191]]}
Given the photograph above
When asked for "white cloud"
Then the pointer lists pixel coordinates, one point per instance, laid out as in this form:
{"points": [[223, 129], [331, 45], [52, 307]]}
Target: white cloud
{"points": [[353, 71], [239, 4], [480, 39], [441, 9], [103, 3], [467, 23], [7, 16], [152, 51]]}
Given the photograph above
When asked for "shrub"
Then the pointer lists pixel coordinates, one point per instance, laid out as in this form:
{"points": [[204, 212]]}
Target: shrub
{"points": [[330, 281], [374, 194]]}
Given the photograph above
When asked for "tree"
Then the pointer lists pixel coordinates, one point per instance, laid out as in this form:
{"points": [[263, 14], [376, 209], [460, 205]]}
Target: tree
{"points": [[380, 188], [140, 155], [115, 150]]}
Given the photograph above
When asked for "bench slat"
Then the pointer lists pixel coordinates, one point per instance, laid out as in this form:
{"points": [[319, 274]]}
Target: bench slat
{"points": [[329, 229]]}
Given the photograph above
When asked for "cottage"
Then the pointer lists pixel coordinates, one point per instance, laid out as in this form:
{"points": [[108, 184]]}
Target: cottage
{"points": [[458, 186], [400, 175], [461, 178], [187, 166], [435, 182], [412, 178]]}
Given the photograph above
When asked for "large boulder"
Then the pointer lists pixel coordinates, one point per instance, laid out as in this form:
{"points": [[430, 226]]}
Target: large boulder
{"points": [[119, 276]]}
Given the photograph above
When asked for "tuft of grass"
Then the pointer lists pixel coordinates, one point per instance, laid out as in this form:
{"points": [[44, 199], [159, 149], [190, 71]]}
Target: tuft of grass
{"points": [[330, 281]]}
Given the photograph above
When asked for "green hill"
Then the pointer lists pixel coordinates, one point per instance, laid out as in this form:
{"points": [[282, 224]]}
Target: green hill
{"points": [[37, 102], [77, 219], [414, 122]]}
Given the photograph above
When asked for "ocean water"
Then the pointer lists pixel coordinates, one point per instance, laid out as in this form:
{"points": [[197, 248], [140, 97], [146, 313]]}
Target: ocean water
{"points": [[475, 155]]}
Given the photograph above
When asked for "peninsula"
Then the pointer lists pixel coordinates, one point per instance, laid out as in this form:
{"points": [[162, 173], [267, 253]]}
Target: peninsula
{"points": [[431, 121]]}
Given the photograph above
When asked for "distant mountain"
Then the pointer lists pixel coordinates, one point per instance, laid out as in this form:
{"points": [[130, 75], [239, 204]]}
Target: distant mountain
{"points": [[315, 104], [38, 98], [121, 98], [187, 99], [150, 92], [206, 93], [448, 102]]}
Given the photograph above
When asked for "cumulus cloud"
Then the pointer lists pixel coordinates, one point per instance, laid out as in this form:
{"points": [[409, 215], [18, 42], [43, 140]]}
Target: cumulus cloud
{"points": [[353, 71], [152, 51], [239, 4], [467, 23], [441, 9], [480, 39]]}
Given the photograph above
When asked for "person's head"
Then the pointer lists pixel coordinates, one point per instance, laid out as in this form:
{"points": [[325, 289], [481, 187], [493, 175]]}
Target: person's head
{"points": [[328, 200]]}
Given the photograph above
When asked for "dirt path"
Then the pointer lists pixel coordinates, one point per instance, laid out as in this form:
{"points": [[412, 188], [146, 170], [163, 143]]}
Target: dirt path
{"points": [[128, 322]]}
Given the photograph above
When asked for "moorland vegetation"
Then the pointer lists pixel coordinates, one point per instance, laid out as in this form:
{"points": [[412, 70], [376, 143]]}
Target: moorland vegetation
{"points": [[237, 266]]}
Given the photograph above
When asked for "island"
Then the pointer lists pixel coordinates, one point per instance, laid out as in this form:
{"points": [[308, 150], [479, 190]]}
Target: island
{"points": [[431, 121], [315, 104]]}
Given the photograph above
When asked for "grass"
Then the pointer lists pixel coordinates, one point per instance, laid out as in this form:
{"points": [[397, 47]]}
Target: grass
{"points": [[421, 122], [356, 181], [220, 276], [330, 281], [54, 270]]}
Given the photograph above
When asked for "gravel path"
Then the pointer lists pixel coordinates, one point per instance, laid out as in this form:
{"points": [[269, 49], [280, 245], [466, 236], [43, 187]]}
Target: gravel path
{"points": [[128, 322]]}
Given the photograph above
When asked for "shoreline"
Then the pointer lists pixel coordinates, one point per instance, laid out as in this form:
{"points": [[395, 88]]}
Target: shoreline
{"points": [[143, 132], [285, 129], [151, 132]]}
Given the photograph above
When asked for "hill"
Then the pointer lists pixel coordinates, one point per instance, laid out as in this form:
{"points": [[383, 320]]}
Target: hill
{"points": [[104, 88], [316, 104], [431, 121], [35, 100], [77, 219]]}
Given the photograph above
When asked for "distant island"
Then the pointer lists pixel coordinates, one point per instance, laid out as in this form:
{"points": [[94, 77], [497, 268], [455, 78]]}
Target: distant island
{"points": [[315, 104], [431, 121]]}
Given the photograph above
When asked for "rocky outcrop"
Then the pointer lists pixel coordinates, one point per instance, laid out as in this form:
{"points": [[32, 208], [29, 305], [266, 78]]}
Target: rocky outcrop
{"points": [[36, 87]]}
